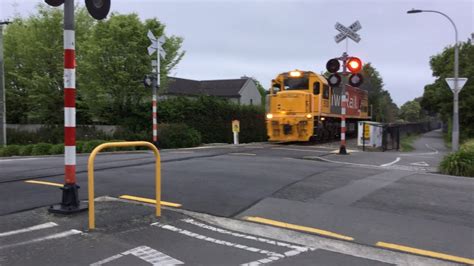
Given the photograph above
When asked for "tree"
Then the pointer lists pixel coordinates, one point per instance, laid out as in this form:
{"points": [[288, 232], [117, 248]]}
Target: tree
{"points": [[411, 111], [116, 61], [34, 65], [111, 57], [438, 98], [383, 107]]}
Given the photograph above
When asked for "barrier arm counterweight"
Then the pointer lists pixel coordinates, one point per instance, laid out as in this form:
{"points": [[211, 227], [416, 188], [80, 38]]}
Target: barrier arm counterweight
{"points": [[90, 173]]}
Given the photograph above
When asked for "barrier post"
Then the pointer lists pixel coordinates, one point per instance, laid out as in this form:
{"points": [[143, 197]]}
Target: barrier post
{"points": [[90, 174]]}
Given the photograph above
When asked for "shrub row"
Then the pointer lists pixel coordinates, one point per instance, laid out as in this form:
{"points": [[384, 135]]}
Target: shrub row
{"points": [[207, 119], [170, 136], [50, 149], [212, 118], [460, 163], [54, 135]]}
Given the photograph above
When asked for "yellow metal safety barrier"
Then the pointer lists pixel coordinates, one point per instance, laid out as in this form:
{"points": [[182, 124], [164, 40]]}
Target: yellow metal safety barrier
{"points": [[90, 172]]}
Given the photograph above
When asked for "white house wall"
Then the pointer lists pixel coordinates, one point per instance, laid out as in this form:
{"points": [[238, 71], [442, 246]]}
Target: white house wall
{"points": [[250, 92]]}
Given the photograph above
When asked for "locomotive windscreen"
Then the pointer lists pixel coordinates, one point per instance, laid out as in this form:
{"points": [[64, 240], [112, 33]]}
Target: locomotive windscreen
{"points": [[296, 83]]}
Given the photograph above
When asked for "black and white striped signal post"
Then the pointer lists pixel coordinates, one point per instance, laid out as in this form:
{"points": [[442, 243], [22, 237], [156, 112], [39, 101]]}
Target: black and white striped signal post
{"points": [[70, 191], [351, 63]]}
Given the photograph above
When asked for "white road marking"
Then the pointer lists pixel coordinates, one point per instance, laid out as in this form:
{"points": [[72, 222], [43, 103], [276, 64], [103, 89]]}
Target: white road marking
{"points": [[424, 164], [145, 253], [50, 237], [227, 232], [331, 161], [271, 256], [390, 163], [302, 150], [395, 167], [28, 229], [243, 153], [19, 159], [322, 243]]}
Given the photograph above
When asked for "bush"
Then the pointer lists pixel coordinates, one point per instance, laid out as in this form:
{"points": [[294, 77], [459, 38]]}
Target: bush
{"points": [[468, 145], [121, 148], [26, 150], [80, 146], [461, 162], [52, 134], [57, 149], [128, 135], [90, 145], [178, 136], [41, 149], [10, 150]]}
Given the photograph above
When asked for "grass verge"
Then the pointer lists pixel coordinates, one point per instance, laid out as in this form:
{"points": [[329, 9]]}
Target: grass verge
{"points": [[406, 142]]}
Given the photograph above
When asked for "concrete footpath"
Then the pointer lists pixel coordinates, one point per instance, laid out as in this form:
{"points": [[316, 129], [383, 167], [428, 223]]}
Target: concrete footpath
{"points": [[129, 234]]}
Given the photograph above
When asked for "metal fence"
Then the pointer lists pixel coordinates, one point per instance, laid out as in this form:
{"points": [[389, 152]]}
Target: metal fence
{"points": [[392, 132]]}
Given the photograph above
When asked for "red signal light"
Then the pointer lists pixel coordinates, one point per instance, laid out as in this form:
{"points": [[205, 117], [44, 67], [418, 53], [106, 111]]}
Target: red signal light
{"points": [[354, 64]]}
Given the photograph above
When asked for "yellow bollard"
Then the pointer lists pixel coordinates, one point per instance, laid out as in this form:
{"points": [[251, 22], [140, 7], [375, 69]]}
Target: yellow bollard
{"points": [[90, 174]]}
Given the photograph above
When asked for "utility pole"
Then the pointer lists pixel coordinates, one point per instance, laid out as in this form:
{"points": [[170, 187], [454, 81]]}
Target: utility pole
{"points": [[3, 113]]}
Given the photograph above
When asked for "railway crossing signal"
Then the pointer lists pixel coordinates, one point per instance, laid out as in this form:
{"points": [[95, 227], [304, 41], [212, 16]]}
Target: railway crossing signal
{"points": [[350, 65], [348, 32], [334, 80], [98, 9], [333, 67], [353, 64], [355, 80], [155, 46]]}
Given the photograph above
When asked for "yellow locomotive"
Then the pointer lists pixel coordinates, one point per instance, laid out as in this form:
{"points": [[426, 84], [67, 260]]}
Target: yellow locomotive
{"points": [[301, 106]]}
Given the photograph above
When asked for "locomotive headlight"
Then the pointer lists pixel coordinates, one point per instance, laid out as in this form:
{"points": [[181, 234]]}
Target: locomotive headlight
{"points": [[309, 116], [269, 116], [295, 74]]}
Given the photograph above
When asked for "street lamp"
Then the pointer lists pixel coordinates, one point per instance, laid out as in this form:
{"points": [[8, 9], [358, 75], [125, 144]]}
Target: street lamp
{"points": [[455, 133]]}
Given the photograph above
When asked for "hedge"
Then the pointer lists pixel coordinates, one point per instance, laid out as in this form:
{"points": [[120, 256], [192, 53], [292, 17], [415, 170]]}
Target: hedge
{"points": [[212, 118], [52, 134]]}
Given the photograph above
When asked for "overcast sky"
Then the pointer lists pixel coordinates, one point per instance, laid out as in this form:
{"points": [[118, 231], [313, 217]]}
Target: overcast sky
{"points": [[227, 39]]}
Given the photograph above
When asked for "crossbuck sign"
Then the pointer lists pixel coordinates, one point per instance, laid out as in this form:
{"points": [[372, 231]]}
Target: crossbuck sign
{"points": [[348, 32], [156, 44]]}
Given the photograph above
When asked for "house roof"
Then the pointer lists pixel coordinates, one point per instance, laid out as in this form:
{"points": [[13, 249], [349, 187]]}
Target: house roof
{"points": [[221, 88]]}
